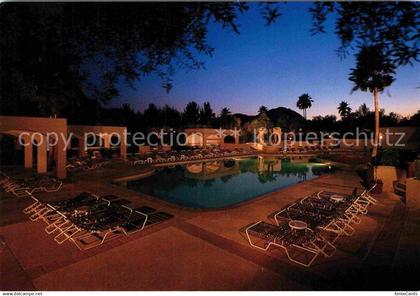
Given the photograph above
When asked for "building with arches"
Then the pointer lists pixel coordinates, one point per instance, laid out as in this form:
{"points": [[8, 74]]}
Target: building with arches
{"points": [[98, 136], [45, 141], [203, 137], [36, 134]]}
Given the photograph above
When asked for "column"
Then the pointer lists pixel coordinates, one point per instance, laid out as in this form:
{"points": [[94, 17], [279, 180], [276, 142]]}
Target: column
{"points": [[123, 150], [41, 155], [28, 153], [61, 159], [82, 147], [123, 146], [106, 139], [204, 139], [236, 136]]}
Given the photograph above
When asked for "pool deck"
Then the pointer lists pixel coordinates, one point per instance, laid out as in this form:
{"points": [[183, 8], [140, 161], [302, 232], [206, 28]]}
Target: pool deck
{"points": [[206, 250]]}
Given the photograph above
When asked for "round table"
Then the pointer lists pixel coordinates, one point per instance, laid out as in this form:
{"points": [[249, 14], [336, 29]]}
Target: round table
{"points": [[298, 225], [337, 197]]}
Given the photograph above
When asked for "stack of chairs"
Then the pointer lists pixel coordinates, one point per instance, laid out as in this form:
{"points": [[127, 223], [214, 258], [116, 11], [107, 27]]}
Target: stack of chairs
{"points": [[183, 155], [310, 244], [324, 213], [88, 220], [76, 164], [25, 187]]}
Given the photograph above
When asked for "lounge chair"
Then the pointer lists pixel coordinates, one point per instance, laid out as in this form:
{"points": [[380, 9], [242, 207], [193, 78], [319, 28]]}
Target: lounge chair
{"points": [[43, 210], [32, 206], [310, 242], [98, 226], [316, 218], [359, 203], [136, 222]]}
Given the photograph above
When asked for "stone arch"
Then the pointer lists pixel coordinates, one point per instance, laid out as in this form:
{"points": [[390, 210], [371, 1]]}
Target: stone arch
{"points": [[40, 126], [10, 150], [195, 168], [34, 147], [114, 141], [229, 139], [212, 167], [195, 139]]}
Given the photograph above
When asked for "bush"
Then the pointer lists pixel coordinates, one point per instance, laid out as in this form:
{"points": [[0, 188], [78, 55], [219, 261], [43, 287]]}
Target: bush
{"points": [[389, 156], [106, 153]]}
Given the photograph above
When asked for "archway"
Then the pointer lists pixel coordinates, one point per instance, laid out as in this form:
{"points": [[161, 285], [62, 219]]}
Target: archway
{"points": [[229, 139], [212, 167], [195, 168], [95, 141], [195, 140], [11, 153], [74, 147], [31, 129]]}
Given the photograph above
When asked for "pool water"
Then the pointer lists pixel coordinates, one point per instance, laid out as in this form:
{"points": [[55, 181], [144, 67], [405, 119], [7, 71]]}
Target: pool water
{"points": [[220, 184]]}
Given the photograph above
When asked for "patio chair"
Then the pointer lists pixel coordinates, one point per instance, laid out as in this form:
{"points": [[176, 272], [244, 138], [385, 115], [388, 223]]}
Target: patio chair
{"points": [[345, 208], [367, 195], [317, 218], [136, 222], [82, 200], [358, 204], [41, 211], [20, 191], [32, 206], [307, 241], [58, 216], [98, 226], [12, 185], [46, 184]]}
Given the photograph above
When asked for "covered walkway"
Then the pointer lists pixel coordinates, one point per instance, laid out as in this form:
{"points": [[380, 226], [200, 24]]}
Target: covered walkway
{"points": [[104, 134], [39, 132]]}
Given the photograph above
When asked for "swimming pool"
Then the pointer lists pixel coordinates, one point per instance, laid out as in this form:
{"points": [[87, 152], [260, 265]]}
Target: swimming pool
{"points": [[219, 184]]}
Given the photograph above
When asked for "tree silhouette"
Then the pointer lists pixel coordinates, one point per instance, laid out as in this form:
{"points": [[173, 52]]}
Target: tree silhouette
{"points": [[374, 71], [262, 109], [344, 109], [152, 116], [304, 102], [206, 114], [56, 55], [363, 110], [388, 32], [393, 25], [170, 117], [191, 114], [225, 118]]}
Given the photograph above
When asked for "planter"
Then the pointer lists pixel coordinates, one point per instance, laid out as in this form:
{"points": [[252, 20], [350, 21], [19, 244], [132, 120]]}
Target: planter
{"points": [[388, 175], [417, 169], [412, 195]]}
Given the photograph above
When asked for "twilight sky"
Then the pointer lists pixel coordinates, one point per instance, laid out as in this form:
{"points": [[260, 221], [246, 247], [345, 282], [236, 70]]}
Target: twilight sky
{"points": [[273, 66]]}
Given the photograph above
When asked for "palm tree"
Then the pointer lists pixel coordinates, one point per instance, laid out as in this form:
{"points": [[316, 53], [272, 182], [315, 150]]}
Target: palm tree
{"points": [[374, 71], [225, 112], [304, 102], [262, 109], [344, 109]]}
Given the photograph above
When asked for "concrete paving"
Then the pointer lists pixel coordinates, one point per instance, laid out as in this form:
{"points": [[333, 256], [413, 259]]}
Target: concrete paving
{"points": [[206, 250]]}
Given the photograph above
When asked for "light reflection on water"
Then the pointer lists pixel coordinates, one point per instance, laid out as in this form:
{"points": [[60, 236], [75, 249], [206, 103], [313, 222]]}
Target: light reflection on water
{"points": [[219, 184]]}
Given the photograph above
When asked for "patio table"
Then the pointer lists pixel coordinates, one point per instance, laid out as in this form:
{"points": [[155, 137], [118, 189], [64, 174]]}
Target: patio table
{"points": [[298, 225], [337, 197]]}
